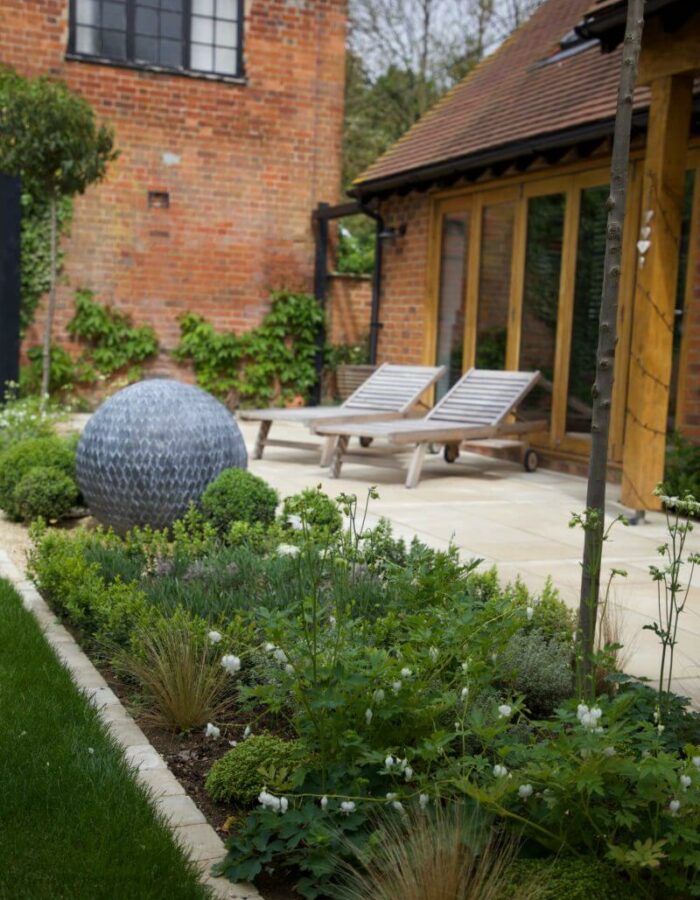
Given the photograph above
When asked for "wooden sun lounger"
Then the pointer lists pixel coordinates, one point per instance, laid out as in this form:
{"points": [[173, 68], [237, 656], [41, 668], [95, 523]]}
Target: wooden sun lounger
{"points": [[478, 407], [389, 393]]}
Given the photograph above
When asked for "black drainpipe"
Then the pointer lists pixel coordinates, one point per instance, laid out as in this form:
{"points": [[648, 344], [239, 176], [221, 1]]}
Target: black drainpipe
{"points": [[374, 324]]}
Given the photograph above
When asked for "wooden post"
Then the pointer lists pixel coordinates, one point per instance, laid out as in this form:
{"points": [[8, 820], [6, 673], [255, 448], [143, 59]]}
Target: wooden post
{"points": [[655, 291]]}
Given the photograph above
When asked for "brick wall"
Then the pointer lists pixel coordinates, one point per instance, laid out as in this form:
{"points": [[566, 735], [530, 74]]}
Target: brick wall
{"points": [[244, 165], [404, 274], [349, 308]]}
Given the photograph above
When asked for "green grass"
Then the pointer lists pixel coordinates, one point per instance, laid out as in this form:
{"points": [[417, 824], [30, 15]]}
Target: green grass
{"points": [[74, 825]]}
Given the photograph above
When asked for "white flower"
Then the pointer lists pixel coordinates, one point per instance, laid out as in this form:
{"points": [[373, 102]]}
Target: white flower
{"points": [[269, 647], [406, 672], [214, 637], [696, 762], [433, 653], [525, 791], [589, 717], [396, 686], [504, 711], [402, 764], [389, 762], [661, 728], [465, 666], [609, 751], [529, 612], [347, 807], [271, 802], [465, 693], [333, 621], [581, 710], [247, 733], [233, 743], [398, 806], [674, 806], [289, 669], [324, 802], [231, 663], [280, 656], [686, 781], [408, 772], [423, 800], [284, 805], [500, 771], [287, 550], [378, 695], [391, 797], [368, 716], [212, 731], [295, 522], [91, 751]]}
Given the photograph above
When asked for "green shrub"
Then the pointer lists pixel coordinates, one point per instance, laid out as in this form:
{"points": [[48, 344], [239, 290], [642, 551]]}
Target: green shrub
{"points": [[682, 473], [17, 460], [45, 491], [313, 510], [237, 495], [540, 669], [238, 776], [585, 878], [21, 419]]}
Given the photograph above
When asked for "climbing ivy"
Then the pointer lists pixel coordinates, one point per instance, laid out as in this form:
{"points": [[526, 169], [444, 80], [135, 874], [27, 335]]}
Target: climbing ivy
{"points": [[35, 261], [272, 363]]}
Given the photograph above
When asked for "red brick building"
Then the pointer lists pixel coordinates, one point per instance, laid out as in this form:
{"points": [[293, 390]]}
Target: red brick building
{"points": [[502, 190], [228, 118]]}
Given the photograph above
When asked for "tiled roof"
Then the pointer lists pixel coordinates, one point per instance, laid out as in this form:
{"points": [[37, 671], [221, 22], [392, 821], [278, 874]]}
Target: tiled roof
{"points": [[521, 91]]}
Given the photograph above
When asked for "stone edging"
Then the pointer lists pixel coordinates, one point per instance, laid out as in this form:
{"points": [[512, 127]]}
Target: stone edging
{"points": [[191, 830]]}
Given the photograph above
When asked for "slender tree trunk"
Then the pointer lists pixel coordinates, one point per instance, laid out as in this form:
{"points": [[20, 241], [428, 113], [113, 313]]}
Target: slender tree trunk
{"points": [[50, 309], [607, 339]]}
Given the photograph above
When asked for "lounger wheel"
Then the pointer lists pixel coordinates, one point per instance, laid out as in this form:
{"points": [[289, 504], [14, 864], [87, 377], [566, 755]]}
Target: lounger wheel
{"points": [[451, 452], [530, 460], [366, 441]]}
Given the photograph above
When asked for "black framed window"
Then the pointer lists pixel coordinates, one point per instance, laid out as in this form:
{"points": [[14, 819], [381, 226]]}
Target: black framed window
{"points": [[194, 35]]}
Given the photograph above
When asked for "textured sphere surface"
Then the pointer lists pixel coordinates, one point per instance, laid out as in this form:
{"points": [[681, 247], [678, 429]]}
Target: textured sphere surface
{"points": [[151, 449]]}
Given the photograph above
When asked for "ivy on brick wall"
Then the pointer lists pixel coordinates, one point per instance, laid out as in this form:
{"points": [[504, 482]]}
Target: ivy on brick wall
{"points": [[35, 261], [272, 363]]}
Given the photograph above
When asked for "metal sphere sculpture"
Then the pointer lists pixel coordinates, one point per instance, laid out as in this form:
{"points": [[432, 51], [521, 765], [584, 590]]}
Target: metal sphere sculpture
{"points": [[151, 449]]}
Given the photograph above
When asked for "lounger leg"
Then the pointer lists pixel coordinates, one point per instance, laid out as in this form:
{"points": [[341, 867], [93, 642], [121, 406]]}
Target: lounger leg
{"points": [[341, 446], [327, 451], [416, 466], [263, 431]]}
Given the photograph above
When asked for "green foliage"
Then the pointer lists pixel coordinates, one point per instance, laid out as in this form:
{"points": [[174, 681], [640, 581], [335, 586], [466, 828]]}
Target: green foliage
{"points": [[50, 137], [273, 362], [311, 512], [356, 246], [21, 418], [64, 372], [237, 495], [682, 474], [46, 492], [539, 669], [576, 878], [240, 775], [336, 355], [21, 457], [35, 265]]}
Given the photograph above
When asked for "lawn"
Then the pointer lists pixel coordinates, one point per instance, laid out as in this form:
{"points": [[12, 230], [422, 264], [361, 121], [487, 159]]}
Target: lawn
{"points": [[73, 822]]}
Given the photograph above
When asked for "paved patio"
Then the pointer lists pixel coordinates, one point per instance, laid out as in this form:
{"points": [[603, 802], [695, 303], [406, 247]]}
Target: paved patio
{"points": [[494, 510]]}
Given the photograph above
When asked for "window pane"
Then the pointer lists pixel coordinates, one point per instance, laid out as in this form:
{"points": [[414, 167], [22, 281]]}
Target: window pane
{"points": [[590, 255], [225, 34], [170, 25], [114, 16], [202, 57], [113, 44], [545, 232], [86, 40], [174, 5], [202, 30], [87, 12], [146, 49], [170, 53], [450, 331], [225, 61], [494, 285], [203, 7], [227, 9], [680, 296], [146, 21]]}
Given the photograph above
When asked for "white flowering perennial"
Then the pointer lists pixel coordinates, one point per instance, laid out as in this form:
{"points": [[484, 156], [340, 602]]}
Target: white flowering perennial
{"points": [[529, 612], [269, 801], [433, 653], [406, 672], [525, 791], [423, 800], [231, 663], [287, 550], [347, 807], [396, 686], [500, 771], [696, 762], [589, 718], [389, 762], [504, 711], [280, 656], [214, 637], [674, 806], [465, 694], [378, 695], [368, 716], [212, 731], [324, 803], [247, 733], [686, 781], [295, 522]]}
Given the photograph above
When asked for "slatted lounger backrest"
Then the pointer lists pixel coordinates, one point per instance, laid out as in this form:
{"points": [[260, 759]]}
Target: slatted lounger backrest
{"points": [[393, 388], [483, 397]]}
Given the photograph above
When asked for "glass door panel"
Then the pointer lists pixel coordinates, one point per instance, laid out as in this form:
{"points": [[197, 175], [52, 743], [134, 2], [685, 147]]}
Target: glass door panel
{"points": [[588, 287], [680, 297], [450, 326], [496, 254], [540, 305]]}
